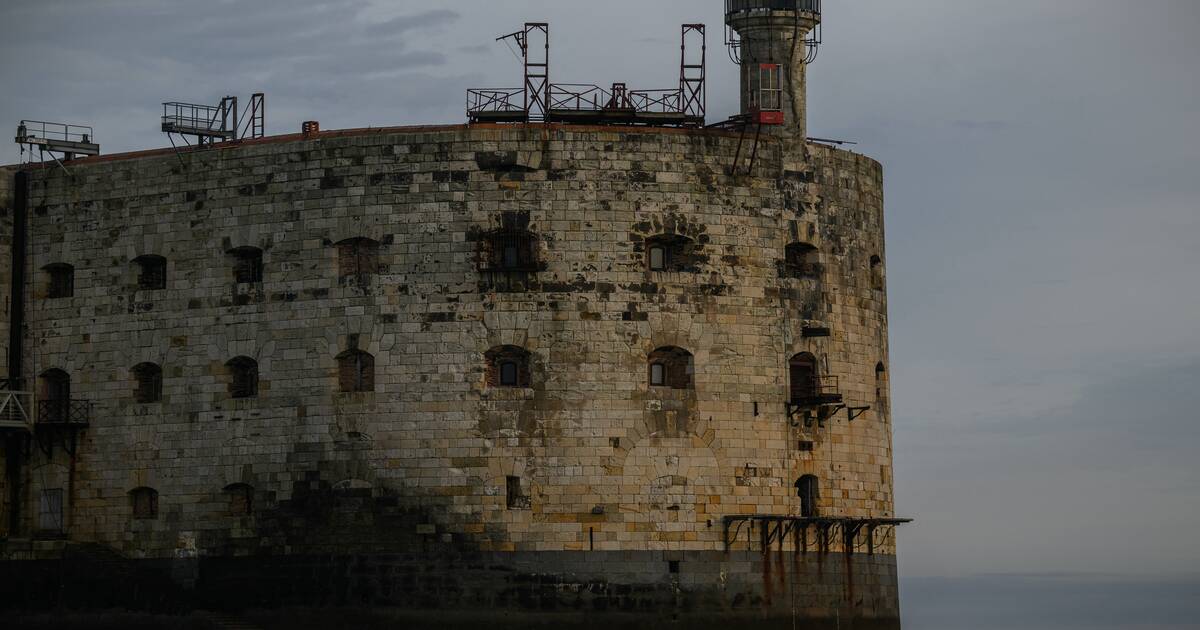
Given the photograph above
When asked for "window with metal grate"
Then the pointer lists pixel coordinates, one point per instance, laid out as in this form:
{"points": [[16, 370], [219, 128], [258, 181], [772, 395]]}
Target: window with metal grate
{"points": [[247, 265], [152, 272]]}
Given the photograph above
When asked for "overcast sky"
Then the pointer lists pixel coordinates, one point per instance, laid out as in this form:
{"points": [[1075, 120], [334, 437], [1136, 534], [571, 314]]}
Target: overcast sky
{"points": [[1042, 162]]}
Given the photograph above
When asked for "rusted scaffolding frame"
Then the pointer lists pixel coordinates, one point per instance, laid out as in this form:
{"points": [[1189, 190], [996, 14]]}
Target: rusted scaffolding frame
{"points": [[854, 534]]}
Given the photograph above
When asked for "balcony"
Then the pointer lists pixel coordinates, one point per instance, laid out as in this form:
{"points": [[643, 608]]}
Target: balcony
{"points": [[733, 7], [64, 413], [818, 391]]}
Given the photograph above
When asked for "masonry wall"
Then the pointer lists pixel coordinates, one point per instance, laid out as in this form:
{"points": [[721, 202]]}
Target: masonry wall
{"points": [[608, 463], [6, 235]]}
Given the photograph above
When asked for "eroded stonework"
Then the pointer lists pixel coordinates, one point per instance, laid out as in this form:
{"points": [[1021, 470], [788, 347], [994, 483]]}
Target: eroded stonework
{"points": [[605, 463]]}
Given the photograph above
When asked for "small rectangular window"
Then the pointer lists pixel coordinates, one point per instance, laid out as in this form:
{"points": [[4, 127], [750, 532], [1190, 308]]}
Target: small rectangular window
{"points": [[508, 374], [515, 497], [512, 257], [50, 512], [770, 82], [62, 282], [248, 266], [658, 259], [658, 374]]}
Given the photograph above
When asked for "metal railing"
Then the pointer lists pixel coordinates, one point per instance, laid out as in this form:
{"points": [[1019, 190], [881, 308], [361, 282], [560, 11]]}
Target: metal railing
{"points": [[579, 97], [218, 120], [657, 101], [16, 409], [506, 100], [750, 6], [64, 412], [53, 131], [818, 390]]}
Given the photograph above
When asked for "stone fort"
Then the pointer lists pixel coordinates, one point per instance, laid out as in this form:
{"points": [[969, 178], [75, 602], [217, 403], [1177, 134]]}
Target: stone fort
{"points": [[591, 364]]}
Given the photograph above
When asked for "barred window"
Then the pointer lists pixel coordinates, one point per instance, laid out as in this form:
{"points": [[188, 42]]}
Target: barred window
{"points": [[241, 499], [247, 264], [152, 272], [356, 371], [61, 279], [149, 382], [358, 259], [671, 367], [508, 366], [511, 250], [145, 503], [243, 377], [801, 261]]}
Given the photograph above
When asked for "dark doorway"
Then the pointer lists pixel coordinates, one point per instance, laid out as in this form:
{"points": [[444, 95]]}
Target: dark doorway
{"points": [[809, 490]]}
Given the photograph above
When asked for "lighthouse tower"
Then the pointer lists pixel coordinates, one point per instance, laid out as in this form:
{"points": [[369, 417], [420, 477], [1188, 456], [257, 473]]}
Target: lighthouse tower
{"points": [[774, 41]]}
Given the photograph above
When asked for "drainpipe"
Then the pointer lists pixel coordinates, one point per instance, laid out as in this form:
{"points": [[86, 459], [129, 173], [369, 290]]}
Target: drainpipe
{"points": [[16, 324]]}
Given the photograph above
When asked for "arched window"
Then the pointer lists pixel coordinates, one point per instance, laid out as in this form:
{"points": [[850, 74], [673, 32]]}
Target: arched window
{"points": [[55, 396], [247, 264], [801, 260], [671, 367], [149, 383], [241, 499], [668, 252], [803, 377], [358, 259], [508, 366], [881, 391], [809, 490], [152, 272], [145, 503], [356, 371], [243, 377], [877, 281], [60, 281], [511, 250]]}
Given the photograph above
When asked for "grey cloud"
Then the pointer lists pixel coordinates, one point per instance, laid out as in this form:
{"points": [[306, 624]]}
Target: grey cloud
{"points": [[405, 23]]}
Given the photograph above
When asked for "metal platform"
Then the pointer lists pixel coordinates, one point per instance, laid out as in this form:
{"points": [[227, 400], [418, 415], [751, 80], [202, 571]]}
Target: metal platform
{"points": [[820, 534], [207, 122], [542, 101], [16, 411], [70, 140]]}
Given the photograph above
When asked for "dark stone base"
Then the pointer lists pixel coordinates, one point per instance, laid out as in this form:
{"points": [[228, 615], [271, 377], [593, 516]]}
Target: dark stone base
{"points": [[500, 590]]}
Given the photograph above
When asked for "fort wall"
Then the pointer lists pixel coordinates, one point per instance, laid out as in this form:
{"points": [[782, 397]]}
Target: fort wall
{"points": [[605, 467]]}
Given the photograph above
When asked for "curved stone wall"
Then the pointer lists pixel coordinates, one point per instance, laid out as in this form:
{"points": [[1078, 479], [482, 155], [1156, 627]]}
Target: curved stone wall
{"points": [[588, 457]]}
